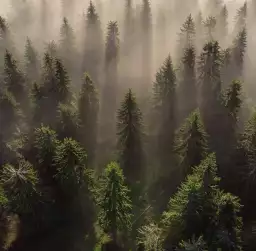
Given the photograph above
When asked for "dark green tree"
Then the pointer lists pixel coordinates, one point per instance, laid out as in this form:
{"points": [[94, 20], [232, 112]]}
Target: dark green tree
{"points": [[14, 81], [130, 139], [114, 204], [164, 91], [93, 44], [32, 63], [110, 89], [187, 89], [186, 36], [88, 109], [191, 143], [211, 107], [67, 49]]}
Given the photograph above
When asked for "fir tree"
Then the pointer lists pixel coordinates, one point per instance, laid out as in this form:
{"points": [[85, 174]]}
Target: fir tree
{"points": [[67, 122], [210, 81], [191, 143], [240, 19], [67, 46], [32, 63], [110, 90], [164, 92], [187, 86], [15, 81], [187, 35], [114, 203], [63, 94], [238, 53], [210, 26], [130, 145], [222, 25], [88, 109], [93, 44], [197, 210]]}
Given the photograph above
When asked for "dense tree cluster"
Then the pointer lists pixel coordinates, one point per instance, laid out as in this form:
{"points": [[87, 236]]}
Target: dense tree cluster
{"points": [[87, 163]]}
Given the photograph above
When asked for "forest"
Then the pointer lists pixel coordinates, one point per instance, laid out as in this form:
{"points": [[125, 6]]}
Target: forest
{"points": [[127, 125]]}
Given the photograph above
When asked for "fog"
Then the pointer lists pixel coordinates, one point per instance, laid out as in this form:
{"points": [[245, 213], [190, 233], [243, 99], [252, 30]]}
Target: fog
{"points": [[24, 18]]}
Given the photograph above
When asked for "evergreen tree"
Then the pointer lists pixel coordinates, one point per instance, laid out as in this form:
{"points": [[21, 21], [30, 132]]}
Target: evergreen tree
{"points": [[191, 143], [32, 63], [240, 19], [210, 85], [93, 44], [238, 53], [110, 89], [67, 46], [187, 86], [88, 109], [67, 122], [164, 92], [10, 115], [114, 203], [198, 208], [187, 35], [15, 81], [130, 145], [199, 26], [210, 27], [222, 25]]}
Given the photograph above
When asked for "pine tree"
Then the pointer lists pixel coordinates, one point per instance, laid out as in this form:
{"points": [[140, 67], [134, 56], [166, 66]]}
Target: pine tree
{"points": [[210, 85], [165, 106], [114, 204], [63, 93], [10, 115], [198, 209], [187, 35], [32, 63], [222, 25], [238, 53], [187, 86], [67, 122], [110, 89], [88, 109], [210, 27], [67, 46], [93, 44], [130, 141], [240, 19], [191, 143], [14, 81]]}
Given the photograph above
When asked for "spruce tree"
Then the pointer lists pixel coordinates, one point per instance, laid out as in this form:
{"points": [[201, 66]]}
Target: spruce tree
{"points": [[191, 143], [198, 209], [93, 44], [32, 63], [88, 109], [164, 91], [187, 90], [238, 53], [130, 141], [187, 35], [114, 204], [110, 89], [211, 107], [67, 46], [15, 82]]}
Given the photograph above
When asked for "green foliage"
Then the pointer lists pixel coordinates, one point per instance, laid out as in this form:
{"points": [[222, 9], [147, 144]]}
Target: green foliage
{"points": [[70, 161], [164, 98], [194, 245], [150, 237], [191, 143], [114, 203], [20, 185], [88, 108], [130, 145]]}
